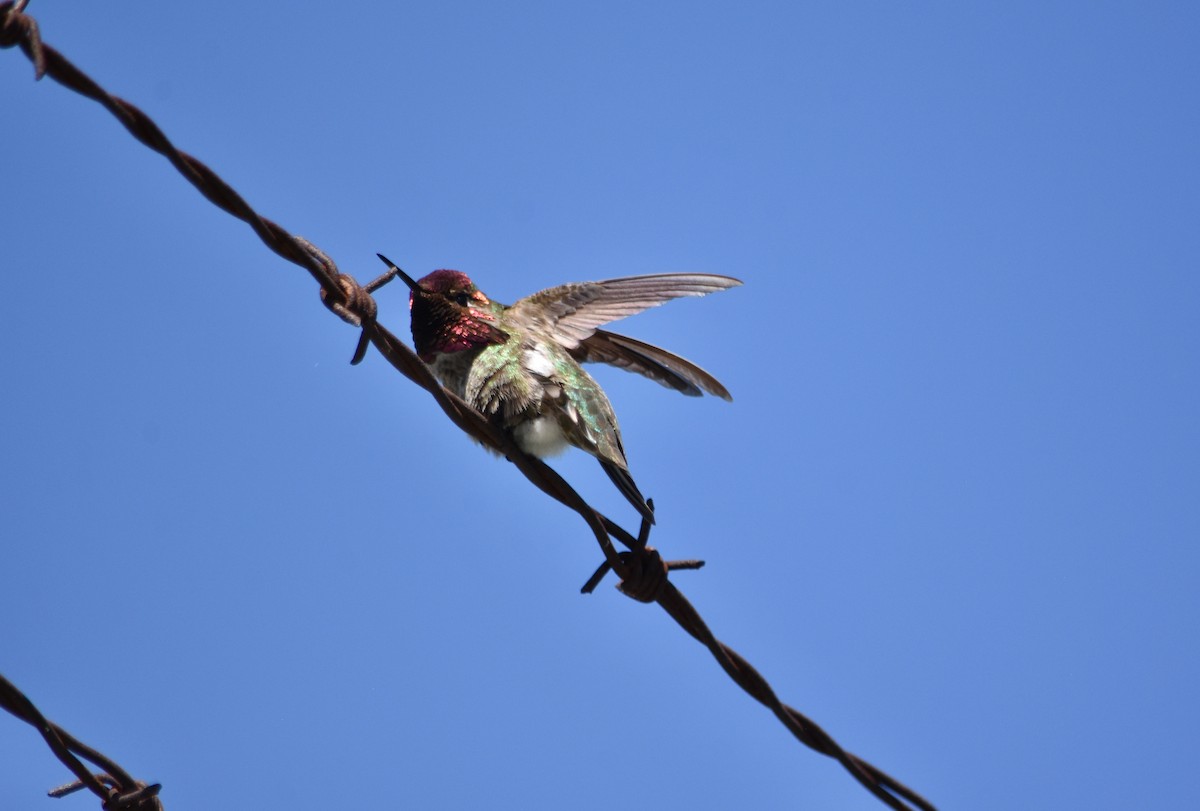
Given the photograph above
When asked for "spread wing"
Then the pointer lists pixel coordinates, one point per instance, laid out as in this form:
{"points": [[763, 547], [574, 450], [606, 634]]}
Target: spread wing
{"points": [[572, 312]]}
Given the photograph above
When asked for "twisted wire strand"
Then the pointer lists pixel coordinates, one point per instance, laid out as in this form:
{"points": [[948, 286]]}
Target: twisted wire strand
{"points": [[353, 303]]}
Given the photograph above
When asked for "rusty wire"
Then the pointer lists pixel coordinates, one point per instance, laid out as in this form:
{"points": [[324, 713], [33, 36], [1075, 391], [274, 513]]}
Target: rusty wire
{"points": [[114, 786], [642, 571]]}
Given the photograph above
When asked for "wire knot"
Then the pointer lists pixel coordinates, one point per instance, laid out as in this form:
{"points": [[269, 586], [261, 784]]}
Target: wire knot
{"points": [[356, 305], [18, 28], [142, 798], [646, 571], [13, 23], [646, 574], [351, 301]]}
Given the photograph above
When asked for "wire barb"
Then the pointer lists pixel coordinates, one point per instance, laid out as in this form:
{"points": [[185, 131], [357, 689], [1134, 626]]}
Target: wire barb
{"points": [[144, 796], [641, 570]]}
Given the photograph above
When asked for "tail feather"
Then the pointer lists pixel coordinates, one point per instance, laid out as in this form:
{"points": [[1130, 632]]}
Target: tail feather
{"points": [[624, 482]]}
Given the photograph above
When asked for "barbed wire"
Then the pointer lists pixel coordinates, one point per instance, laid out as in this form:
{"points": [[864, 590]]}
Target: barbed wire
{"points": [[115, 788], [642, 571]]}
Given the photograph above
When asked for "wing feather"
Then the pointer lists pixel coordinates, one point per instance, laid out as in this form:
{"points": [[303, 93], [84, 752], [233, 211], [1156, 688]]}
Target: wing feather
{"points": [[575, 311], [648, 360]]}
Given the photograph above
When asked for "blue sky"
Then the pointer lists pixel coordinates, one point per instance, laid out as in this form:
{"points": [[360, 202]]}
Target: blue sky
{"points": [[951, 513]]}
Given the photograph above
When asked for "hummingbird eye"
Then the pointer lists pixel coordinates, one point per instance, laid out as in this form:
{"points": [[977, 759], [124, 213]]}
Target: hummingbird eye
{"points": [[461, 299]]}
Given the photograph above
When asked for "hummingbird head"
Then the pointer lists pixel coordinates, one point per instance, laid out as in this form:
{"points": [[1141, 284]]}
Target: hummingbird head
{"points": [[449, 314]]}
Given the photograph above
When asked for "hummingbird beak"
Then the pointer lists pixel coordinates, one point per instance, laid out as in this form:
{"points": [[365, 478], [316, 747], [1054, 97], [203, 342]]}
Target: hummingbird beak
{"points": [[404, 277]]}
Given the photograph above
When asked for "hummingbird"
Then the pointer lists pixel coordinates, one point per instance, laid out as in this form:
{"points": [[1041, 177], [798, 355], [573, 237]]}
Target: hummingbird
{"points": [[520, 365]]}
